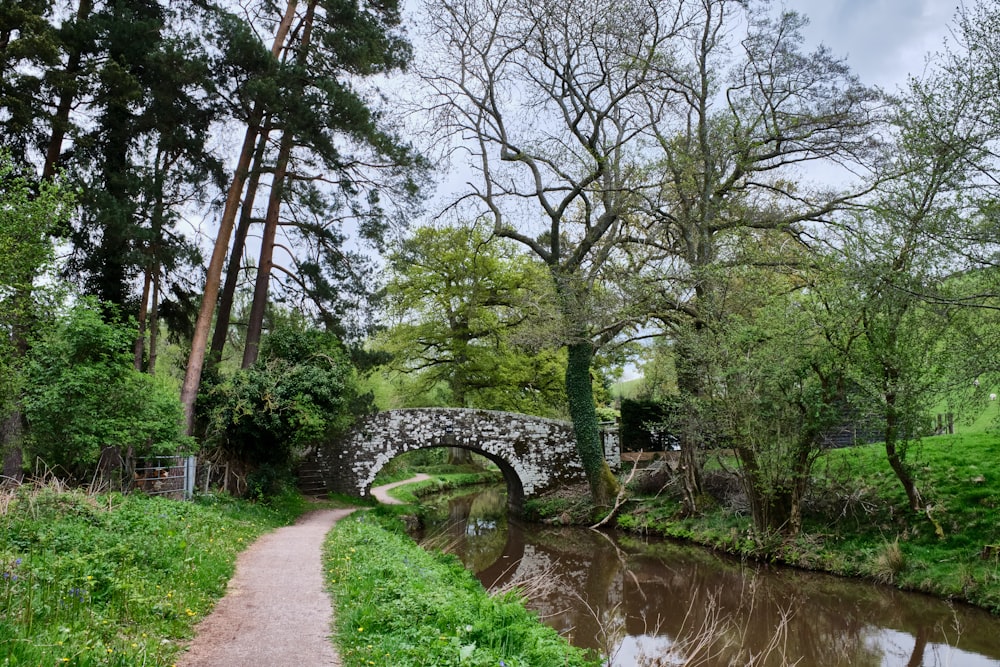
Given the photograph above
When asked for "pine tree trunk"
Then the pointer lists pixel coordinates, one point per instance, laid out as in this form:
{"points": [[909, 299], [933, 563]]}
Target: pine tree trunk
{"points": [[154, 319], [228, 297], [255, 323], [213, 279], [199, 341], [139, 347], [60, 119]]}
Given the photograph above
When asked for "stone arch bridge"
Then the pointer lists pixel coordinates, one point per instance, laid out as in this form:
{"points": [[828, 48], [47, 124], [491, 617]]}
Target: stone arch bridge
{"points": [[535, 455]]}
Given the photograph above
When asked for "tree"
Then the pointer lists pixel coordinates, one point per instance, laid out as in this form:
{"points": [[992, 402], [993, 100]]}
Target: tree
{"points": [[906, 255], [29, 44], [83, 395], [306, 96], [471, 312], [751, 110], [146, 155], [30, 212], [548, 96], [213, 278], [776, 387], [324, 122]]}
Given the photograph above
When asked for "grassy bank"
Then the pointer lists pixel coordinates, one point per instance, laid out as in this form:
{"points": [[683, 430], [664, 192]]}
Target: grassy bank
{"points": [[440, 482], [857, 523], [112, 579], [400, 605]]}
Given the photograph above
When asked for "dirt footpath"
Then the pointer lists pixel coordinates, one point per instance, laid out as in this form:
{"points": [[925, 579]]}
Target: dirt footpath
{"points": [[276, 612], [381, 493]]}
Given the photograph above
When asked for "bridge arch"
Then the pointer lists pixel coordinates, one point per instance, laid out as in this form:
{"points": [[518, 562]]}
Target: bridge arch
{"points": [[535, 455]]}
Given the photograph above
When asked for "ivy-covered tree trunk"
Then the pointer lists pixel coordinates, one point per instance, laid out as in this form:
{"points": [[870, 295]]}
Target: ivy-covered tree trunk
{"points": [[580, 396]]}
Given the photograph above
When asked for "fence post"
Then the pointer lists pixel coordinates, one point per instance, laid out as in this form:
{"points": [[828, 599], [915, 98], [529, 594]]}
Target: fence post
{"points": [[190, 468]]}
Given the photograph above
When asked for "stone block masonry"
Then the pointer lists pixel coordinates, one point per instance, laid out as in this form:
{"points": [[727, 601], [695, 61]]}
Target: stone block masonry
{"points": [[535, 455]]}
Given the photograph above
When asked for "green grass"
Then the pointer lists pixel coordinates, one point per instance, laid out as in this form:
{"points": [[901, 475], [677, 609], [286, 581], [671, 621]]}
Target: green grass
{"points": [[857, 521], [412, 493], [116, 580], [400, 605]]}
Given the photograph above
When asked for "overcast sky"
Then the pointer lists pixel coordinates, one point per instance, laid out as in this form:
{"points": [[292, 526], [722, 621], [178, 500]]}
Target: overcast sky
{"points": [[883, 40]]}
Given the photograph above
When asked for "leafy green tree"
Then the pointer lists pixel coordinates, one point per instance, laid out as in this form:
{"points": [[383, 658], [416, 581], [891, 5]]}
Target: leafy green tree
{"points": [[776, 390], [30, 213], [301, 392], [82, 395], [472, 313], [751, 108], [905, 259]]}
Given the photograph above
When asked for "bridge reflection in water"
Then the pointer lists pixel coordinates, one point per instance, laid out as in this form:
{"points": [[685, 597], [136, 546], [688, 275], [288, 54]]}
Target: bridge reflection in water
{"points": [[649, 603]]}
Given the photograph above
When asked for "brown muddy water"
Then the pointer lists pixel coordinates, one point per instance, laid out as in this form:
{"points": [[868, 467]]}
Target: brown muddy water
{"points": [[654, 603]]}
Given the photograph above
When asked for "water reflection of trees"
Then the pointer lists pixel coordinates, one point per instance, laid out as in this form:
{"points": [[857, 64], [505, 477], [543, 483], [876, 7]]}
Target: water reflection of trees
{"points": [[472, 525], [660, 604]]}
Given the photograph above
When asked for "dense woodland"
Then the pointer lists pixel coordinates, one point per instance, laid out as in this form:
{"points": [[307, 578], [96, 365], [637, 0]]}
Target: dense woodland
{"points": [[217, 237]]}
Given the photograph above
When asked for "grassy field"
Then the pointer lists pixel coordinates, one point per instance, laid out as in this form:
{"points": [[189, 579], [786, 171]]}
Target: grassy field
{"points": [[112, 579]]}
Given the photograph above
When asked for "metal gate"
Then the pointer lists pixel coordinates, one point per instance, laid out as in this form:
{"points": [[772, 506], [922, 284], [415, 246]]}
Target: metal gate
{"points": [[170, 476]]}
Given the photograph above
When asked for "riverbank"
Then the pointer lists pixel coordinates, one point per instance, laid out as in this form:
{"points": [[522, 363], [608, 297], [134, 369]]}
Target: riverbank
{"points": [[856, 521], [398, 604]]}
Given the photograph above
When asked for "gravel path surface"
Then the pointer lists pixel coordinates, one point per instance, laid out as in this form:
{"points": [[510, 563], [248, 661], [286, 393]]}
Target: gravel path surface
{"points": [[276, 611], [381, 493]]}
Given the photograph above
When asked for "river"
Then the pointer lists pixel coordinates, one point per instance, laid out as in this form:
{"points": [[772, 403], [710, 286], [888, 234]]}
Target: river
{"points": [[655, 603]]}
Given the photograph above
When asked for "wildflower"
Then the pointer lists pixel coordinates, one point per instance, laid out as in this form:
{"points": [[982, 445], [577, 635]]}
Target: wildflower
{"points": [[361, 629]]}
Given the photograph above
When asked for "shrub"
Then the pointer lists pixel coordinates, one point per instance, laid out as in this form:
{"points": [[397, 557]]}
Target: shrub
{"points": [[300, 393], [83, 395]]}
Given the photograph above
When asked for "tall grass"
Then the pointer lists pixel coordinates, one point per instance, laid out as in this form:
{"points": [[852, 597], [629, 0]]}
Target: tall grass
{"points": [[113, 579]]}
